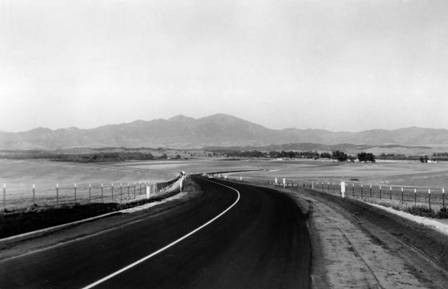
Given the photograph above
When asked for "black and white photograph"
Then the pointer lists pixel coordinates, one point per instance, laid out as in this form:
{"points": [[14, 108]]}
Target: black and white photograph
{"points": [[224, 144]]}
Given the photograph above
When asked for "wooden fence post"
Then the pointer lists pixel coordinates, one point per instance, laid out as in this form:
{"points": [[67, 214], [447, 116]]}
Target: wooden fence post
{"points": [[402, 195], [443, 197], [57, 194], [415, 197], [4, 196], [34, 194]]}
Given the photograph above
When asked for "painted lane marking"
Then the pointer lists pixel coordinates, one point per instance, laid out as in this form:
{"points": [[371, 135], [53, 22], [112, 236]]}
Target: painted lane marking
{"points": [[110, 276]]}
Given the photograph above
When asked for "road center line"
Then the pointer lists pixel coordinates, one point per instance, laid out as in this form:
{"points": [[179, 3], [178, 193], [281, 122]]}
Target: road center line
{"points": [[104, 279]]}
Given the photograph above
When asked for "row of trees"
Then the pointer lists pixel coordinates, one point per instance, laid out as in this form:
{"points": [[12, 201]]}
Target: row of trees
{"points": [[84, 157], [105, 157], [272, 154], [335, 155], [362, 157]]}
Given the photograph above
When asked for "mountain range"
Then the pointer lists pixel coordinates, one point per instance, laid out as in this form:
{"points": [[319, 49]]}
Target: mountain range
{"points": [[216, 130]]}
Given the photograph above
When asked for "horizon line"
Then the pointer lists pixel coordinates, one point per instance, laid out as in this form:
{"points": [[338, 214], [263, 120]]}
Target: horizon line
{"points": [[215, 115]]}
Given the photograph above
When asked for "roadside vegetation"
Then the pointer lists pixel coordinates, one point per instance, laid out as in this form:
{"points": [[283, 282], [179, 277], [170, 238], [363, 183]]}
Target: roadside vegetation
{"points": [[422, 211]]}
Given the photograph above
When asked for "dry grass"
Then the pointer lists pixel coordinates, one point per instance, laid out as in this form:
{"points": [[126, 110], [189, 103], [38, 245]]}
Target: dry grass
{"points": [[19, 175]]}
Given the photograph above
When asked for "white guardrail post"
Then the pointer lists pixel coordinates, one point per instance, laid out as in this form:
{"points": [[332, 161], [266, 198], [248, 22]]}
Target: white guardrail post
{"points": [[343, 189], [181, 184], [148, 191]]}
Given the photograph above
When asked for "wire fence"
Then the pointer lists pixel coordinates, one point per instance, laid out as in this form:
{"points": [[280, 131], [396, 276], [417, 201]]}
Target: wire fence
{"points": [[84, 193], [431, 197], [394, 195]]}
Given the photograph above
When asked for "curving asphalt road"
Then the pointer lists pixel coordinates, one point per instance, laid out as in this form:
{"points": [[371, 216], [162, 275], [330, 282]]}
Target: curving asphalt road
{"points": [[232, 236]]}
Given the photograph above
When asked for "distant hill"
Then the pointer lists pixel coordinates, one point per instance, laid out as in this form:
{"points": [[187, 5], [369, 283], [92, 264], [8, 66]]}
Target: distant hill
{"points": [[215, 130]]}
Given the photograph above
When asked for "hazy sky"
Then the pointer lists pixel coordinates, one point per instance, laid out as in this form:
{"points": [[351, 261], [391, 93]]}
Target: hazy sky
{"points": [[339, 65]]}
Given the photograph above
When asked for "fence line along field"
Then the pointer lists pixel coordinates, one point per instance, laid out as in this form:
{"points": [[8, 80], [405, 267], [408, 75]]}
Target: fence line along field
{"points": [[391, 195], [42, 182], [115, 178], [399, 173]]}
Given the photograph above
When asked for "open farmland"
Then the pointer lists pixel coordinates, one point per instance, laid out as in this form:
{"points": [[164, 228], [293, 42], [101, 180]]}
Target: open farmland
{"points": [[407, 173], [20, 175]]}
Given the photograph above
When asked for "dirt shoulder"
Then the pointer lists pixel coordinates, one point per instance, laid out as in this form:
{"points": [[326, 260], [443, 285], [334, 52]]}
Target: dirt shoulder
{"points": [[356, 245]]}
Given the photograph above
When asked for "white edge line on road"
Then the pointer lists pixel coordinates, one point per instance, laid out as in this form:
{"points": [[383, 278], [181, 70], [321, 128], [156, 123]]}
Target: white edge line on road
{"points": [[170, 244]]}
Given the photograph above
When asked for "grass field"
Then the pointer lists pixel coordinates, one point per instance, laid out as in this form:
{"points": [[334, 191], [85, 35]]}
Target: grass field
{"points": [[406, 173], [20, 175]]}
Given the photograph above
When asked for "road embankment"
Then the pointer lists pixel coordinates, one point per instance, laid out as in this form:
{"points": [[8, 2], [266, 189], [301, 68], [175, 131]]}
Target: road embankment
{"points": [[356, 245], [36, 220]]}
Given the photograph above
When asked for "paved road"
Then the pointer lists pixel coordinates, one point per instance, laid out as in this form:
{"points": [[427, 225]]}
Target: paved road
{"points": [[258, 241]]}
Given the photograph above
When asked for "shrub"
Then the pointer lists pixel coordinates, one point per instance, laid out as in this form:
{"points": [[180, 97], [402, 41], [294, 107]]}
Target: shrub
{"points": [[442, 213], [421, 211]]}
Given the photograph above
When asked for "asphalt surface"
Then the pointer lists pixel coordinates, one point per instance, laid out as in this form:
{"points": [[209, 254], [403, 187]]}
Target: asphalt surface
{"points": [[261, 242]]}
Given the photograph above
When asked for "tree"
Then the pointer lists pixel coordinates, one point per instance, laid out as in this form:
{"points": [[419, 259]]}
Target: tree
{"points": [[325, 155], [274, 154], [424, 159], [340, 156], [366, 157], [371, 157]]}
